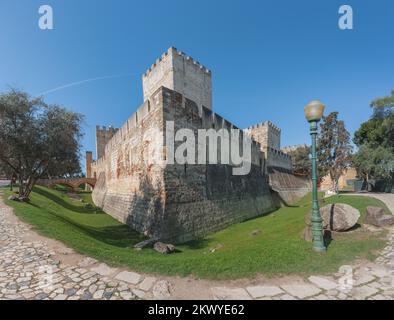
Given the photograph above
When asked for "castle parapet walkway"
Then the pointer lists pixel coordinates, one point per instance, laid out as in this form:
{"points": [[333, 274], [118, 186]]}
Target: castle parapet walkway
{"points": [[74, 183]]}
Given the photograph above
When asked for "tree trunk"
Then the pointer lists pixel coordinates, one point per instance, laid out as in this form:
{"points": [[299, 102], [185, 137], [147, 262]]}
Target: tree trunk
{"points": [[367, 181], [333, 182]]}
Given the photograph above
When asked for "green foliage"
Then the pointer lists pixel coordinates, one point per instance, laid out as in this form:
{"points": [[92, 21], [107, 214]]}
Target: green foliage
{"points": [[384, 103], [376, 132], [371, 131], [334, 149], [376, 162], [238, 253], [375, 139], [37, 139], [301, 160]]}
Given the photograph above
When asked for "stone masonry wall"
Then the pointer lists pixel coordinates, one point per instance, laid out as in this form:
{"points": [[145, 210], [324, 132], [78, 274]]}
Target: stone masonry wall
{"points": [[205, 198], [175, 202], [130, 180], [288, 188]]}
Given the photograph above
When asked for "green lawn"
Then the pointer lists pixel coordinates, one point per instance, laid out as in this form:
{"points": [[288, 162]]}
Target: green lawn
{"points": [[279, 248]]}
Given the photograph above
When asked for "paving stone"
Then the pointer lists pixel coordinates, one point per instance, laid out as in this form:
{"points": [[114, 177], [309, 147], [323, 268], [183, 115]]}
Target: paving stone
{"points": [[323, 283], [98, 294], [129, 277], [363, 279], [107, 294], [301, 291], [104, 270], [332, 292], [70, 292], [380, 272], [287, 297], [223, 293], [264, 291], [321, 297], [41, 296], [139, 293], [86, 296], [126, 295], [364, 292], [147, 283]]}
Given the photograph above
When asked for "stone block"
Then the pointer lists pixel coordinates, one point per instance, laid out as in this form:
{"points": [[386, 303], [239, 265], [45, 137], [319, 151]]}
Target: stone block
{"points": [[301, 291], [129, 277], [264, 291]]}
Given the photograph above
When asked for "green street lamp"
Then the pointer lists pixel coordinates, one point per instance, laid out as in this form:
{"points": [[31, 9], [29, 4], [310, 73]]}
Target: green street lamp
{"points": [[313, 113]]}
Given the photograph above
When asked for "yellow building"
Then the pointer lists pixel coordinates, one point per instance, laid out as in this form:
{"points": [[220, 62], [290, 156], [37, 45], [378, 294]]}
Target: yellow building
{"points": [[349, 174]]}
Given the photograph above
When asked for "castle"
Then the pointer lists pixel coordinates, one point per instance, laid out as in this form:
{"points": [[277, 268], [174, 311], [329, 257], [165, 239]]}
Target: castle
{"points": [[181, 202]]}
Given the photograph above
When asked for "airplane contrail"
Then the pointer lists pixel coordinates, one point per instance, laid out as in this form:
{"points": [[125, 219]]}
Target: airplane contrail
{"points": [[81, 82]]}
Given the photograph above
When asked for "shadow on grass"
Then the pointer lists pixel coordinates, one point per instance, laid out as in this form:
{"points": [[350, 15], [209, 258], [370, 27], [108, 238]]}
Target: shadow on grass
{"points": [[65, 204], [197, 244], [121, 236]]}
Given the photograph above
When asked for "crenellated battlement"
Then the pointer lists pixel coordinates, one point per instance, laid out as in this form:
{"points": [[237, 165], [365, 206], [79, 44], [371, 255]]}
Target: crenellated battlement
{"points": [[106, 129], [166, 55], [279, 153], [179, 72], [266, 124], [208, 118]]}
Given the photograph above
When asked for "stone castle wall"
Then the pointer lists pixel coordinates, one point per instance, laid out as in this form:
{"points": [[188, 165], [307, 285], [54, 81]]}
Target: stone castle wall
{"points": [[268, 136], [277, 158], [129, 187], [175, 202], [206, 198], [287, 187]]}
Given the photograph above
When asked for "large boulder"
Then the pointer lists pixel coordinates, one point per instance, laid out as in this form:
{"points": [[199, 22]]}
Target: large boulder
{"points": [[375, 216], [164, 247], [337, 217]]}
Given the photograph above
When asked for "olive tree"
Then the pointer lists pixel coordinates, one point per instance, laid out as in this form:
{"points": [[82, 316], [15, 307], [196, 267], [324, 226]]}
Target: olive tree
{"points": [[37, 140]]}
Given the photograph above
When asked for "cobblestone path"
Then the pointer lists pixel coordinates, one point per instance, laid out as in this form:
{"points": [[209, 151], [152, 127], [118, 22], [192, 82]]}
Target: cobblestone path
{"points": [[30, 269]]}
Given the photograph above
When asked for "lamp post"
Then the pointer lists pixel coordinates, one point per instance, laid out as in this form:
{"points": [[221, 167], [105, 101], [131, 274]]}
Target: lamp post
{"points": [[313, 113]]}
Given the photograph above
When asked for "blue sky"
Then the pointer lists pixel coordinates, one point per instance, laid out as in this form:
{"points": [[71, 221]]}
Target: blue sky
{"points": [[269, 58]]}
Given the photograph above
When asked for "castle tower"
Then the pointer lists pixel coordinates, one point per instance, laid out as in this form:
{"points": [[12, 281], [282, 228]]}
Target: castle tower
{"points": [[89, 161], [179, 72], [267, 134], [103, 135]]}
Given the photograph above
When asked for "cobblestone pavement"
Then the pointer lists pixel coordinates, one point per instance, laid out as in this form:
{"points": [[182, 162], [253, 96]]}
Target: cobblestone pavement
{"points": [[31, 270]]}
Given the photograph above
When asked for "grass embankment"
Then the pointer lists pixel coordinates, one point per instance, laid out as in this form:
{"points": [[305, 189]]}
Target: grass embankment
{"points": [[279, 248]]}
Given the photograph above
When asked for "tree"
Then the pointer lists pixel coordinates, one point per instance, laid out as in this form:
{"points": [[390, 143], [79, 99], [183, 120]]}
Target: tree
{"points": [[373, 162], [377, 131], [334, 149], [301, 160], [371, 131], [37, 139], [385, 103], [375, 139]]}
